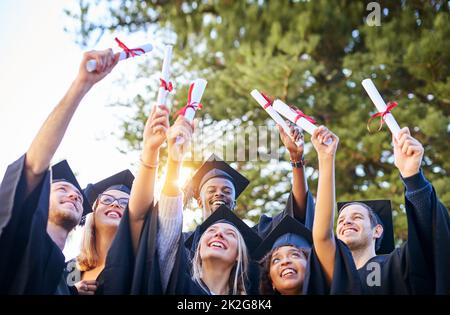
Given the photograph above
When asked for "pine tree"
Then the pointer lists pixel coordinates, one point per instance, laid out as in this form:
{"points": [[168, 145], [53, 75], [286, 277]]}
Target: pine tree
{"points": [[312, 54]]}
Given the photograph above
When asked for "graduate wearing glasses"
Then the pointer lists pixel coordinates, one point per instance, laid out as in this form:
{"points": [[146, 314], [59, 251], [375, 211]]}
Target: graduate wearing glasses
{"points": [[108, 199]]}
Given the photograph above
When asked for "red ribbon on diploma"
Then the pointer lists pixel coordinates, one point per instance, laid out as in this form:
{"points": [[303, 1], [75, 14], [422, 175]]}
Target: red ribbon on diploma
{"points": [[128, 51], [165, 85], [300, 114], [268, 100], [194, 105], [389, 107]]}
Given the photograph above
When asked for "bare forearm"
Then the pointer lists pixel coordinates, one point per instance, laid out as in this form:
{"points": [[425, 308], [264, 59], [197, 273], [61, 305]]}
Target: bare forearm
{"points": [[142, 192], [323, 218], [323, 236], [299, 190], [142, 195], [49, 137]]}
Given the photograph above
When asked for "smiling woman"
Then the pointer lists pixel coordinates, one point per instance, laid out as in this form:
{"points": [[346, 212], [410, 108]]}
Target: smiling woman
{"points": [[285, 254], [109, 199]]}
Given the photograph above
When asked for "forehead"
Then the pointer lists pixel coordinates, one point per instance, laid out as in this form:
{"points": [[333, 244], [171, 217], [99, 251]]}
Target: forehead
{"points": [[353, 209], [223, 226], [285, 249], [218, 182], [116, 193], [66, 185]]}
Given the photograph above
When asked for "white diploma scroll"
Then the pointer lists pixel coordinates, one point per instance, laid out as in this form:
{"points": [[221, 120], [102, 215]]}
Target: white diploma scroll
{"points": [[290, 114], [273, 113], [195, 96], [165, 75], [381, 106], [91, 65]]}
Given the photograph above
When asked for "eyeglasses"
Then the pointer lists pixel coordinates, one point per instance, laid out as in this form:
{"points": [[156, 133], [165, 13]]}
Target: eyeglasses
{"points": [[108, 200]]}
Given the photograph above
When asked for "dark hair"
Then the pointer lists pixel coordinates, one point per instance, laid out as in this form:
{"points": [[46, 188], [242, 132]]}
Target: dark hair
{"points": [[265, 281], [373, 217]]}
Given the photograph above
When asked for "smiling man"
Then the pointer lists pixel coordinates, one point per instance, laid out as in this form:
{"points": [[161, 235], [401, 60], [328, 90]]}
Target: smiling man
{"points": [[364, 229], [39, 207]]}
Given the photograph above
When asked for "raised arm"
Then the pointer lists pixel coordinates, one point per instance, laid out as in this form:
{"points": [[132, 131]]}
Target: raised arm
{"points": [[323, 235], [142, 192], [170, 210], [49, 137], [299, 185]]}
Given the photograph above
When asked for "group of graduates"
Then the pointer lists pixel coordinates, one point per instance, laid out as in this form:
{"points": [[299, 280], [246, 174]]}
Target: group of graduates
{"points": [[133, 242]]}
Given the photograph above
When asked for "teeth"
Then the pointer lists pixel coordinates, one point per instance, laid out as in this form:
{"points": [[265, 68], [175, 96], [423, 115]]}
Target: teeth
{"points": [[218, 203], [288, 271], [216, 244], [113, 214]]}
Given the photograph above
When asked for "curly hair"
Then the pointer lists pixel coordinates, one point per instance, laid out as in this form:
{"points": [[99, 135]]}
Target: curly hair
{"points": [[265, 281]]}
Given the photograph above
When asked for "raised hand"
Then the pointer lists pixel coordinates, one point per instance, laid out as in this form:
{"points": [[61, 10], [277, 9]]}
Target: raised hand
{"points": [[408, 153], [295, 152], [155, 128], [106, 61], [181, 128], [318, 139]]}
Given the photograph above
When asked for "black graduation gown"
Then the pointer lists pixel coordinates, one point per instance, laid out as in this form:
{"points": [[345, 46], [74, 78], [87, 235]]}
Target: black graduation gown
{"points": [[265, 225], [31, 262], [417, 267], [345, 276], [126, 274], [180, 281]]}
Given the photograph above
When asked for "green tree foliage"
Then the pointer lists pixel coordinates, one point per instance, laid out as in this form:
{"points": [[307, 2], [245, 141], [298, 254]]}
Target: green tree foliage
{"points": [[313, 54]]}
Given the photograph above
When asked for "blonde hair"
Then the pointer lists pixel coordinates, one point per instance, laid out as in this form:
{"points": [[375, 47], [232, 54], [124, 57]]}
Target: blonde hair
{"points": [[238, 275], [88, 257]]}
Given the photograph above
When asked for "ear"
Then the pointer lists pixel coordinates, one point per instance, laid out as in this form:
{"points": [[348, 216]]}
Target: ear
{"points": [[378, 231], [199, 201], [95, 205]]}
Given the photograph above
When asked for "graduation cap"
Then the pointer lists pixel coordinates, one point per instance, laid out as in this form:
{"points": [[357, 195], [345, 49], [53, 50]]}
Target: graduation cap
{"points": [[288, 232], [383, 213], [121, 181], [212, 168], [224, 215], [62, 172]]}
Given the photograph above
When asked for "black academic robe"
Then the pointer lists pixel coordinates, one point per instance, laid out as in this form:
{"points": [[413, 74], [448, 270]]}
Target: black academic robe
{"points": [[265, 225], [31, 263], [345, 276], [127, 273], [419, 266]]}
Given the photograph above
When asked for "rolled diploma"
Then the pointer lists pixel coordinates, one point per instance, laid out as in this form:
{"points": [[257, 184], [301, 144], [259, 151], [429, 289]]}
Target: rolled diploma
{"points": [[273, 113], [196, 97], [165, 75], [290, 114], [91, 65], [381, 105]]}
